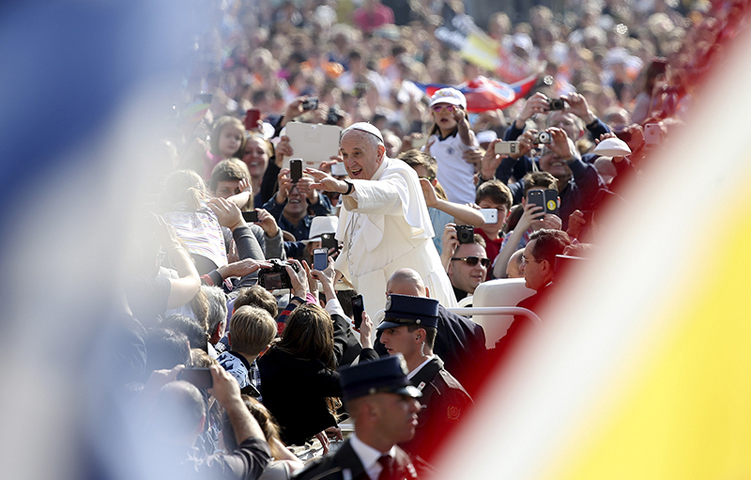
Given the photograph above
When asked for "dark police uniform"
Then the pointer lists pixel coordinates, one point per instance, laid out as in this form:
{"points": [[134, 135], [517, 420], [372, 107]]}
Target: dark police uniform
{"points": [[346, 465], [443, 400], [385, 375]]}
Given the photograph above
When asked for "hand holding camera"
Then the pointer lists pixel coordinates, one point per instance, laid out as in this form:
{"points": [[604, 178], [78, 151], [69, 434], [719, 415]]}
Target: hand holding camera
{"points": [[562, 146], [537, 103]]}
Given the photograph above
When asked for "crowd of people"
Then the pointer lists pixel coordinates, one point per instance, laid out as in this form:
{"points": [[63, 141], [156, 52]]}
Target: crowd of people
{"points": [[255, 285]]}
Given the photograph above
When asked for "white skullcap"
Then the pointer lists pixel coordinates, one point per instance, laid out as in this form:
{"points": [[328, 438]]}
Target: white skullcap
{"points": [[365, 127]]}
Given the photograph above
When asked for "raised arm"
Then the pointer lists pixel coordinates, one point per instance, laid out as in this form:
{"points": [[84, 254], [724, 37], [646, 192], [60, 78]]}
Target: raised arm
{"points": [[463, 214], [185, 287]]}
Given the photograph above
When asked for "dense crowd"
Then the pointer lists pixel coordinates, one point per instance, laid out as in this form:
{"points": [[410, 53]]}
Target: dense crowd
{"points": [[257, 281]]}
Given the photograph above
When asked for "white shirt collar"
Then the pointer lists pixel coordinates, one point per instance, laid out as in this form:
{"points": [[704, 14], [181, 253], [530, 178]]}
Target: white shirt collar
{"points": [[414, 372], [369, 456]]}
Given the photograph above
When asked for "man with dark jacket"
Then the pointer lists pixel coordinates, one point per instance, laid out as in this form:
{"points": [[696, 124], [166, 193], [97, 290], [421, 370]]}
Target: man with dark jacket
{"points": [[384, 409], [409, 329], [459, 342]]}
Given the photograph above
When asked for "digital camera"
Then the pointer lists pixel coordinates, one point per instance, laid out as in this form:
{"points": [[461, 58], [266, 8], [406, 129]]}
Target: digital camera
{"points": [[543, 138], [465, 233], [556, 104], [276, 277]]}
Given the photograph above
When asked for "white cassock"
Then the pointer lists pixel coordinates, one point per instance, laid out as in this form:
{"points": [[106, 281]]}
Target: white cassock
{"points": [[384, 226]]}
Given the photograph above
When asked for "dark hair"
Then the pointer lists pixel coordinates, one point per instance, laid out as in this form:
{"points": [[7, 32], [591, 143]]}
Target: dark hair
{"points": [[309, 334], [166, 349], [197, 335], [496, 192], [549, 244], [513, 217], [430, 334], [257, 296], [226, 171], [539, 180]]}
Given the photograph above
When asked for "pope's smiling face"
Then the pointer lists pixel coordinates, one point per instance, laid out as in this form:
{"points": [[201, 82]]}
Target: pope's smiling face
{"points": [[361, 154]]}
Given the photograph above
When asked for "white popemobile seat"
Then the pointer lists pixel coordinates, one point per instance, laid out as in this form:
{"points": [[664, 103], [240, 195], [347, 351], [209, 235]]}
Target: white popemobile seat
{"points": [[502, 292]]}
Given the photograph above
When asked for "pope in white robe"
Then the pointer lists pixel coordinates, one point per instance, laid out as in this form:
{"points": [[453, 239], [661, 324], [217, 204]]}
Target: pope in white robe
{"points": [[383, 222]]}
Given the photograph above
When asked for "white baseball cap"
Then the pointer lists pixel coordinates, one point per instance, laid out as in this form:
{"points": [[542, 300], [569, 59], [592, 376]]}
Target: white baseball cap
{"points": [[449, 95]]}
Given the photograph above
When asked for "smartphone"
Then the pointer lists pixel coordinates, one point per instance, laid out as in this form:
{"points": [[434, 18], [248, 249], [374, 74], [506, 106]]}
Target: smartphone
{"points": [[506, 148], [295, 169], [200, 377], [490, 214], [652, 133], [310, 104], [321, 258], [328, 241], [537, 197], [357, 308], [251, 118], [250, 217], [338, 170], [551, 201]]}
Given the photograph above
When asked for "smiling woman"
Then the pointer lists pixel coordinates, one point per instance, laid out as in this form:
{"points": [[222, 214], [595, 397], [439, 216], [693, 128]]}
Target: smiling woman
{"points": [[256, 156]]}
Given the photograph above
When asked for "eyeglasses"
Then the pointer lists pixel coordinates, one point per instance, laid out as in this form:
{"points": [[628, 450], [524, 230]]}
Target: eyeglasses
{"points": [[439, 107], [472, 261], [526, 260]]}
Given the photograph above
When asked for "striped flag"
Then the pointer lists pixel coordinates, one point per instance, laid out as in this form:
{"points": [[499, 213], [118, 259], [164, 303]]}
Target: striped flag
{"points": [[485, 94]]}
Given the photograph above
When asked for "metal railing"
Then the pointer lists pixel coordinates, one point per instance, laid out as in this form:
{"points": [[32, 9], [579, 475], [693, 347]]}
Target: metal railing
{"points": [[469, 311]]}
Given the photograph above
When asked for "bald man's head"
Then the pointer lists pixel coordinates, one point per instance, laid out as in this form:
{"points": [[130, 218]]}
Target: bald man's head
{"points": [[406, 282]]}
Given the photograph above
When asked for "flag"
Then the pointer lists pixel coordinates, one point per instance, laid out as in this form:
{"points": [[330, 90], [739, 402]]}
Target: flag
{"points": [[197, 110], [485, 94]]}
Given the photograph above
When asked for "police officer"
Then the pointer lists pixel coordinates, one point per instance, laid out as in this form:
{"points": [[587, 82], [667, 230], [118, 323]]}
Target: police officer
{"points": [[409, 328], [381, 402]]}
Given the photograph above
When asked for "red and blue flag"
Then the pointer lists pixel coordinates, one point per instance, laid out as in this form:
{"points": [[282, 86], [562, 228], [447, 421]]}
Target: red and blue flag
{"points": [[485, 94]]}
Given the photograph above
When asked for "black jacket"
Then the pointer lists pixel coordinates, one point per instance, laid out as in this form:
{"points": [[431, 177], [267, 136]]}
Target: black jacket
{"points": [[333, 467], [460, 343], [295, 390]]}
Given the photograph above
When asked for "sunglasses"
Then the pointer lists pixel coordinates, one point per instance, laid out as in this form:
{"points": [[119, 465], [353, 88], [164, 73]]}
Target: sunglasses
{"points": [[472, 261], [439, 107]]}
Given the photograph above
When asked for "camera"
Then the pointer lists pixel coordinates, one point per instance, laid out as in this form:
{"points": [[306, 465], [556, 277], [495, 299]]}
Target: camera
{"points": [[506, 148], [334, 116], [543, 138], [310, 104], [465, 233], [556, 104], [276, 277]]}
